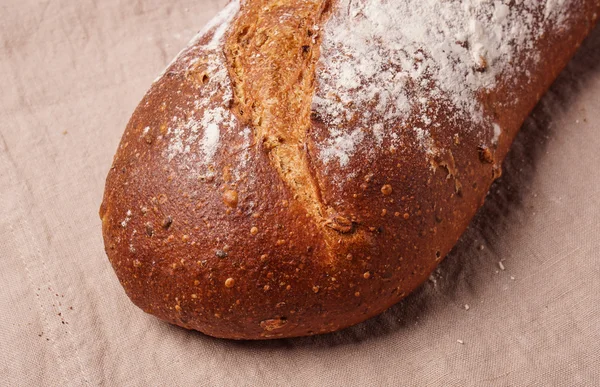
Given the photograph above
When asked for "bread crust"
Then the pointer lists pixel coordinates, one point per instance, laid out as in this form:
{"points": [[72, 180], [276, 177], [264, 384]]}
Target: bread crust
{"points": [[256, 235]]}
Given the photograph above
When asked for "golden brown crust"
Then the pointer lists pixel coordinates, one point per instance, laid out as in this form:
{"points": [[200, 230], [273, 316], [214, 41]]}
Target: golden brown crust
{"points": [[260, 241]]}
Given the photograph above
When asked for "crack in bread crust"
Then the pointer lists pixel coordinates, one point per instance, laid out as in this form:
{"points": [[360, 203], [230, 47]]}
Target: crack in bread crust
{"points": [[272, 51]]}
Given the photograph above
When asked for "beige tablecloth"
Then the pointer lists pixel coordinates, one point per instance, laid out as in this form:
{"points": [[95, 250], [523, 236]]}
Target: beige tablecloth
{"points": [[71, 73]]}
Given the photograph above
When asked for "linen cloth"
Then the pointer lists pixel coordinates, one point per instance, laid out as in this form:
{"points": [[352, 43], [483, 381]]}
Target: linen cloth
{"points": [[72, 72]]}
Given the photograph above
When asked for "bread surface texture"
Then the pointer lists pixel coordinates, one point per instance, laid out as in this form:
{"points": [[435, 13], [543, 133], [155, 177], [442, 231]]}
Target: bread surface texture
{"points": [[305, 164]]}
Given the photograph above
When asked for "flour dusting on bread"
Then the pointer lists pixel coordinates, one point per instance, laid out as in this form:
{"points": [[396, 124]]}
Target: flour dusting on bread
{"points": [[215, 96], [384, 60]]}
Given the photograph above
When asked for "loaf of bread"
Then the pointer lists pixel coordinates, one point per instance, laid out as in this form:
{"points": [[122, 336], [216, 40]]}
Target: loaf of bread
{"points": [[305, 164]]}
